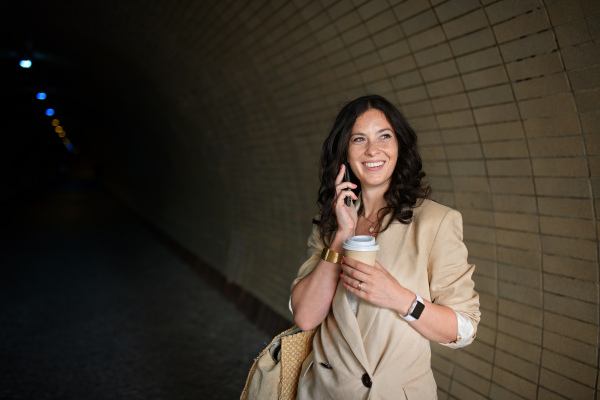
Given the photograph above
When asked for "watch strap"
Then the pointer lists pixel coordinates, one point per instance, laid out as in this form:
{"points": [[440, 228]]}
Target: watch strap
{"points": [[415, 310]]}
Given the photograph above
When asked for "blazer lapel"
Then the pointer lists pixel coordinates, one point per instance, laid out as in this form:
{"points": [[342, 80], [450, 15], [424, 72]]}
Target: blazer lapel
{"points": [[348, 325], [391, 245]]}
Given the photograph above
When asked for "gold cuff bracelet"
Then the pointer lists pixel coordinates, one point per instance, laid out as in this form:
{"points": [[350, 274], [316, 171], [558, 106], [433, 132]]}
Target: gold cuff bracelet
{"points": [[331, 256]]}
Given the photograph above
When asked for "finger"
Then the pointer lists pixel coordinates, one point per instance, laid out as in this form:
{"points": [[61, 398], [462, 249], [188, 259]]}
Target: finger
{"points": [[340, 176], [355, 274], [357, 265], [345, 186], [342, 196], [355, 291]]}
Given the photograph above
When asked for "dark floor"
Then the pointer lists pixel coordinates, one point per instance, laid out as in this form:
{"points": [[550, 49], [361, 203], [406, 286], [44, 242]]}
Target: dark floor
{"points": [[93, 306]]}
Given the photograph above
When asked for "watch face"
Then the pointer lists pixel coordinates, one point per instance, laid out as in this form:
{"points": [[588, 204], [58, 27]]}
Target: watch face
{"points": [[418, 310]]}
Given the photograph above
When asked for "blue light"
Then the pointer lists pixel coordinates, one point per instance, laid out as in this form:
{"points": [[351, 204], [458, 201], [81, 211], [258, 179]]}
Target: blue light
{"points": [[69, 147], [41, 96], [25, 63], [49, 112]]}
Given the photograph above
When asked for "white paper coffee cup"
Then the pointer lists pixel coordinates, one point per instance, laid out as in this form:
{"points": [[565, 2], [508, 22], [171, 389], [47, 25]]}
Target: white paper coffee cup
{"points": [[362, 248]]}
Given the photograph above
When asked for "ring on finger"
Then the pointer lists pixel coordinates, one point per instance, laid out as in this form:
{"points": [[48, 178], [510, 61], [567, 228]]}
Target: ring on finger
{"points": [[360, 286]]}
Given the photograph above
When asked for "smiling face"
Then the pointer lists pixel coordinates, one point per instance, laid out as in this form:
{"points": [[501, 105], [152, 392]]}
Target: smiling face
{"points": [[373, 149]]}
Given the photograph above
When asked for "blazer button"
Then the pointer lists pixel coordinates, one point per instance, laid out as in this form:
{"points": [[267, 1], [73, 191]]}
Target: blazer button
{"points": [[366, 380]]}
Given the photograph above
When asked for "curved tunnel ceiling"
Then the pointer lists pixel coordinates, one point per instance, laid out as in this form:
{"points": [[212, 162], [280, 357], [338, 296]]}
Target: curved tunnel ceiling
{"points": [[223, 106]]}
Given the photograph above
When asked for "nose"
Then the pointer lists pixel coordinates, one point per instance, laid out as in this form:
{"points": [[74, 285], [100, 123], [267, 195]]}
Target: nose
{"points": [[372, 148]]}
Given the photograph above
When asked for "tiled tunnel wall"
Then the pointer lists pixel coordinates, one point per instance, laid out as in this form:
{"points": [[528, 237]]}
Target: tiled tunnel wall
{"points": [[504, 95]]}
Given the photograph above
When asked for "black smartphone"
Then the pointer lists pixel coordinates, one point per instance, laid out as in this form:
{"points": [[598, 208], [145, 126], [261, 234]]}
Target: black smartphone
{"points": [[347, 179]]}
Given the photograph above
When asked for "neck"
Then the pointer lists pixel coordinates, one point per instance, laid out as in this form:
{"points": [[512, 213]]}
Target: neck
{"points": [[372, 201]]}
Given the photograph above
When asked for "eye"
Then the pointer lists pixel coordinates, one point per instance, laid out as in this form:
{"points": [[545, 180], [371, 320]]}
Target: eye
{"points": [[358, 139]]}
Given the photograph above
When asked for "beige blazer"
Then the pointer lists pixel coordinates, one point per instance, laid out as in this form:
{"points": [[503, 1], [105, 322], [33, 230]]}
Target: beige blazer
{"points": [[375, 354]]}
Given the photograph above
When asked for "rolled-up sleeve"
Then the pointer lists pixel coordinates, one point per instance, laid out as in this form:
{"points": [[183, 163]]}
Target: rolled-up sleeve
{"points": [[450, 277], [315, 248]]}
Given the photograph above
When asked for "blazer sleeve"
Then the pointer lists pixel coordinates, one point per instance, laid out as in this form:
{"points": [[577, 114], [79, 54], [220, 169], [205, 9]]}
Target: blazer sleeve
{"points": [[315, 248], [450, 274]]}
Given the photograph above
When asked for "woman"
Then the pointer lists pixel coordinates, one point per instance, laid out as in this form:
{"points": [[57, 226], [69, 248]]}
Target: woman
{"points": [[376, 322]]}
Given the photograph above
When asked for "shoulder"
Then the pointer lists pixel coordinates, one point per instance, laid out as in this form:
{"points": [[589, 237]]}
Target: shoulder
{"points": [[429, 210]]}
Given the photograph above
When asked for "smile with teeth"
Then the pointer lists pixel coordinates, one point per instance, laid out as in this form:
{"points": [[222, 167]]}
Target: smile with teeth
{"points": [[374, 164]]}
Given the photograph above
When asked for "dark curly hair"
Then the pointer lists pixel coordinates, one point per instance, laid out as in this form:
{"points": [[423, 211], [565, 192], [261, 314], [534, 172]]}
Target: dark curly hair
{"points": [[406, 185]]}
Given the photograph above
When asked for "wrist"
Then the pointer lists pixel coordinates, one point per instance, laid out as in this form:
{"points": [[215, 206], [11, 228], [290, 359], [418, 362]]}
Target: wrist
{"points": [[338, 240]]}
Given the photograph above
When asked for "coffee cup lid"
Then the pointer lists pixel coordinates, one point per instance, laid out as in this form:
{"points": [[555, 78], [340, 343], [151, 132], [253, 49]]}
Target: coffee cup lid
{"points": [[361, 243]]}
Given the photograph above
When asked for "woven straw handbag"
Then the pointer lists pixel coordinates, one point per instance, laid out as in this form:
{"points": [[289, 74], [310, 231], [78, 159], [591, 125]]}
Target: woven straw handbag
{"points": [[276, 370]]}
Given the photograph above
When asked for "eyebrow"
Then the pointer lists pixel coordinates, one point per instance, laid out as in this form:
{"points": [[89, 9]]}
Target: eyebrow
{"points": [[379, 131]]}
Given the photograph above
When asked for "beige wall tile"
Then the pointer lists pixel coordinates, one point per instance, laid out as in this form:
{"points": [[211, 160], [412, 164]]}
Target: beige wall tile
{"points": [[495, 114], [522, 277], [517, 347], [576, 228], [451, 103], [575, 248], [570, 287], [564, 386], [464, 151], [521, 312], [575, 268], [515, 203], [571, 328], [409, 8], [507, 149], [517, 384], [475, 41], [478, 201], [585, 55], [470, 184], [565, 11], [514, 167], [507, 9], [527, 369], [568, 367], [445, 87], [479, 60], [465, 24], [410, 95], [501, 131], [542, 86], [492, 95], [540, 43], [439, 71], [573, 349], [587, 101], [477, 217], [431, 37], [541, 65], [484, 78], [572, 34], [418, 22], [518, 186], [521, 258], [518, 240], [565, 207], [547, 106], [459, 135], [573, 308], [471, 380], [560, 167], [558, 125], [522, 25], [584, 79], [455, 119]]}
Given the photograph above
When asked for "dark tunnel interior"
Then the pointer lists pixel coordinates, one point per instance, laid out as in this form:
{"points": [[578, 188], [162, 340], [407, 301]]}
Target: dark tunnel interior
{"points": [[152, 224]]}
